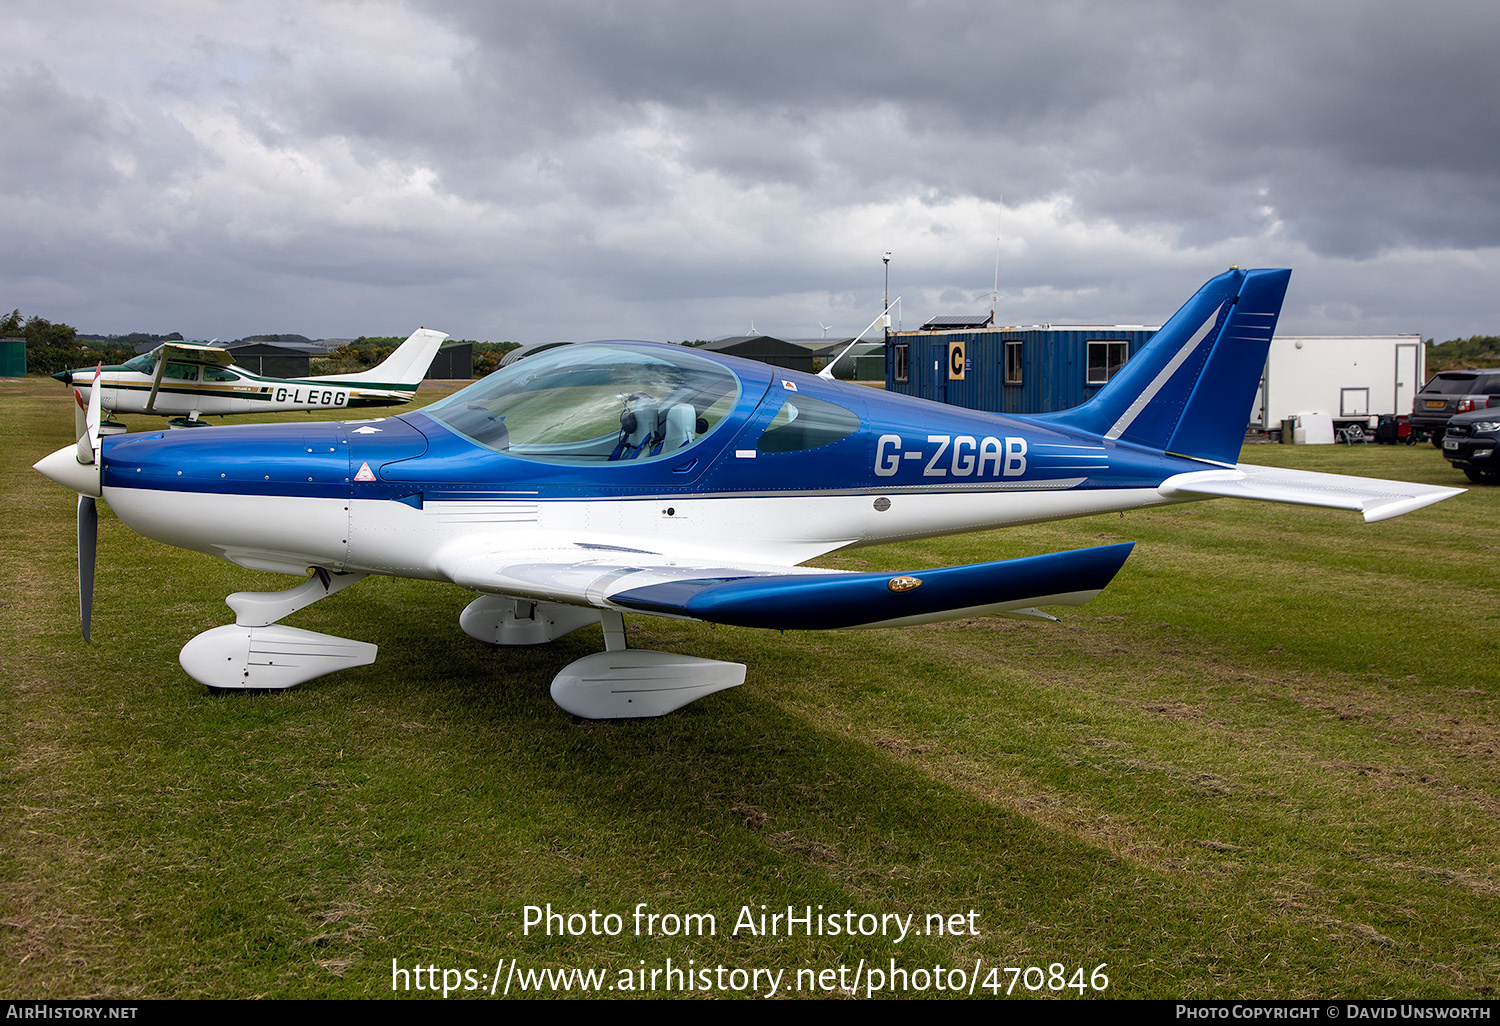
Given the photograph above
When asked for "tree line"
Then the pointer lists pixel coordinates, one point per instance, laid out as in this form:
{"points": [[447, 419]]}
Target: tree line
{"points": [[1457, 353], [54, 347]]}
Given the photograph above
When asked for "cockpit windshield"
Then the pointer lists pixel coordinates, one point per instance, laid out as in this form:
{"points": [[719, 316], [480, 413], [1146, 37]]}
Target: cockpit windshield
{"points": [[594, 403], [144, 364]]}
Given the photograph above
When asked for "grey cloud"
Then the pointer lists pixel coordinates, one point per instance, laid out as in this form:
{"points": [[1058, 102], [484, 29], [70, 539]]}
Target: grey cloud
{"points": [[572, 163], [1169, 114], [57, 142]]}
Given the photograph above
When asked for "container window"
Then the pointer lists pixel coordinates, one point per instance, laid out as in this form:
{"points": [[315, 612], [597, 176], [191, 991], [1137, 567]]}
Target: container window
{"points": [[1105, 360]]}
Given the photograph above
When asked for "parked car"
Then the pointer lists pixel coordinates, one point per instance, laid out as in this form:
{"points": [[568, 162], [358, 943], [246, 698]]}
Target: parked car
{"points": [[1471, 442], [1450, 393]]}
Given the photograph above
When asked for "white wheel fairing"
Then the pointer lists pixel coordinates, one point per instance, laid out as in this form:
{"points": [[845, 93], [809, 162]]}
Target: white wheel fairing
{"points": [[272, 657], [636, 683]]}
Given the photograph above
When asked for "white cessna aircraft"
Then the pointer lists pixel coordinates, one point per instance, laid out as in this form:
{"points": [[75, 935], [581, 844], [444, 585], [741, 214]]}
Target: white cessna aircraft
{"points": [[599, 479], [187, 381]]}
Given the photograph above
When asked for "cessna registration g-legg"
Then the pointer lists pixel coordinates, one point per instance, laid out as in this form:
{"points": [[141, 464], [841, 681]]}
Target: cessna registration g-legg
{"points": [[187, 381], [595, 480]]}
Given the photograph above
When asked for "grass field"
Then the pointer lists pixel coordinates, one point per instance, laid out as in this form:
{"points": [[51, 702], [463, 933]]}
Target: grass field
{"points": [[1262, 764]]}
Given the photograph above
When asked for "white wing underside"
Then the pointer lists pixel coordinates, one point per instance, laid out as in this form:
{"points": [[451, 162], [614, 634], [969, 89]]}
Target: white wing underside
{"points": [[1375, 498], [589, 576]]}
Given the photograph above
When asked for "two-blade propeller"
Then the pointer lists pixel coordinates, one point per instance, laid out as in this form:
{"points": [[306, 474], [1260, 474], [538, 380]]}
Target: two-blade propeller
{"points": [[88, 513], [80, 467]]}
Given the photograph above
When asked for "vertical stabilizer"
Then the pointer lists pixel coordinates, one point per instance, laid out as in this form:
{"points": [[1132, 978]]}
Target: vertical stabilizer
{"points": [[1189, 390], [406, 366]]}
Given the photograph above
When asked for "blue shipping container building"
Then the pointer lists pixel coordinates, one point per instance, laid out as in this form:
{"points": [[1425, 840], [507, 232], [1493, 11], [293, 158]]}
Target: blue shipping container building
{"points": [[1033, 369]]}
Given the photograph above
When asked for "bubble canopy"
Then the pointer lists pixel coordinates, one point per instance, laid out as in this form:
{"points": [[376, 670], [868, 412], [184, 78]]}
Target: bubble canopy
{"points": [[594, 403]]}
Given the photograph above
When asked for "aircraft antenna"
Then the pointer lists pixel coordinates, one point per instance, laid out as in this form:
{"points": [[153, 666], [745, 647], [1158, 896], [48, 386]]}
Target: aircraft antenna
{"points": [[995, 295], [887, 297], [827, 371]]}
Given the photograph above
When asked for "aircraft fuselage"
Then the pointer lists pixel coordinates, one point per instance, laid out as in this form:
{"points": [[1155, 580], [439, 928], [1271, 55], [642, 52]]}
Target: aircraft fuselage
{"points": [[128, 392], [386, 496]]}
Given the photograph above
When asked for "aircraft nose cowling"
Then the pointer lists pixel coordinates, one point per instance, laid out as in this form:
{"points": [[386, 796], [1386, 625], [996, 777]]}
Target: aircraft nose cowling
{"points": [[245, 459], [265, 496]]}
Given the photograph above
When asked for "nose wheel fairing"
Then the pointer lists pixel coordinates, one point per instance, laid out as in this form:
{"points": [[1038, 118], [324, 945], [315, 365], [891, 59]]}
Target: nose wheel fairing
{"points": [[272, 657], [257, 652]]}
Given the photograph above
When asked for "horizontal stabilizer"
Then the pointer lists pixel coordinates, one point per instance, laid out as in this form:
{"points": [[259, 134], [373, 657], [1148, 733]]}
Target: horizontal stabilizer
{"points": [[1375, 498], [825, 601]]}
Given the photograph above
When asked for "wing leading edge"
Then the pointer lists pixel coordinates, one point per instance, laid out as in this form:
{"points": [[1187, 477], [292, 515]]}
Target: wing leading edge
{"points": [[795, 598]]}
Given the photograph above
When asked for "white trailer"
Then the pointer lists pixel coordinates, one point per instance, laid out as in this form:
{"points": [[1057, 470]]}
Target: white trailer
{"points": [[1350, 378]]}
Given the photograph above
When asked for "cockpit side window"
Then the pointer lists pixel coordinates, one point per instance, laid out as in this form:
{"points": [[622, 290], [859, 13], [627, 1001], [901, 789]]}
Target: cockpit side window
{"points": [[594, 403], [807, 423]]}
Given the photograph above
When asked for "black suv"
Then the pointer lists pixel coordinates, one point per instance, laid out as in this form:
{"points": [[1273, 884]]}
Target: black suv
{"points": [[1471, 444], [1451, 393]]}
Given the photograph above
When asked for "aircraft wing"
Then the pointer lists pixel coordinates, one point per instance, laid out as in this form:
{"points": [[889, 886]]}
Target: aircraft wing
{"points": [[187, 352], [183, 352], [1375, 498], [783, 598]]}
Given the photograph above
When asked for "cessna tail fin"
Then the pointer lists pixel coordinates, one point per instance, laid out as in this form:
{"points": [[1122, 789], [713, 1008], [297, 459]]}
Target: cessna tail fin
{"points": [[1189, 390], [407, 365]]}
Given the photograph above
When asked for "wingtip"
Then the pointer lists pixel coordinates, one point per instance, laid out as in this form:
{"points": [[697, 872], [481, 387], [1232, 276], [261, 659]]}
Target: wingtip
{"points": [[1387, 510]]}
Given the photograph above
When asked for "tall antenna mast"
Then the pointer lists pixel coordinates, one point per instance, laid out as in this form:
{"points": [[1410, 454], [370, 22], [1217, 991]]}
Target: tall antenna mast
{"points": [[995, 296], [886, 312]]}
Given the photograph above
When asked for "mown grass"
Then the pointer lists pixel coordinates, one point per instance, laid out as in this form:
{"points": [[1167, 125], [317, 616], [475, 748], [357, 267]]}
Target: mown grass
{"points": [[1263, 764]]}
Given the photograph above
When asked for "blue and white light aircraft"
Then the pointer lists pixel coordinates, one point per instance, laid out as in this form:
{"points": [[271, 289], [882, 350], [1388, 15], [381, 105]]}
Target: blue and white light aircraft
{"points": [[595, 480]]}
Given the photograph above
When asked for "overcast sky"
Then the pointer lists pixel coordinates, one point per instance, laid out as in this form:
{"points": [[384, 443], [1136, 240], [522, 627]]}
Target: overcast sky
{"points": [[668, 170]]}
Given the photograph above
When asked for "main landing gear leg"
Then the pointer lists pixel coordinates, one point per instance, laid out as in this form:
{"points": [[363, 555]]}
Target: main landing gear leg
{"points": [[626, 683], [257, 652]]}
